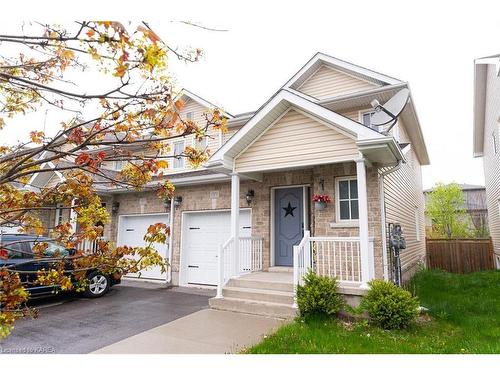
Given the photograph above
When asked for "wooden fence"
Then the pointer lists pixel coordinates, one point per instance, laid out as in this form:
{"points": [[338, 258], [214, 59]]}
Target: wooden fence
{"points": [[460, 255]]}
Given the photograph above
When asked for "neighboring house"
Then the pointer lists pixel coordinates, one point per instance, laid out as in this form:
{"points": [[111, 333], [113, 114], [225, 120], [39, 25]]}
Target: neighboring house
{"points": [[313, 136], [487, 137], [474, 205]]}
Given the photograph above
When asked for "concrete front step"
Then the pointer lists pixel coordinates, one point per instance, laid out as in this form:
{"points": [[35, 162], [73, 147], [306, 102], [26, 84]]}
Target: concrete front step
{"points": [[263, 295], [277, 310], [260, 284]]}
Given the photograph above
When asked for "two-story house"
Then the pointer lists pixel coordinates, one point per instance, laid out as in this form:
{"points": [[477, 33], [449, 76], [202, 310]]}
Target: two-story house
{"points": [[249, 212]]}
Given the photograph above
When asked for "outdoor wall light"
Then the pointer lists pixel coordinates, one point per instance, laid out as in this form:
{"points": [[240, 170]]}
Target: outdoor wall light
{"points": [[177, 201], [250, 196], [115, 208]]}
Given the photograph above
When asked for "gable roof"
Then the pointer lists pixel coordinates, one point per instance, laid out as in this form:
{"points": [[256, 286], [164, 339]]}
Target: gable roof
{"points": [[186, 93], [320, 58], [271, 111], [480, 80]]}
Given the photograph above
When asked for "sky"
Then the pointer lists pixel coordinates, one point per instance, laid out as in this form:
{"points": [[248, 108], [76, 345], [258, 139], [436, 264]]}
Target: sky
{"points": [[431, 45]]}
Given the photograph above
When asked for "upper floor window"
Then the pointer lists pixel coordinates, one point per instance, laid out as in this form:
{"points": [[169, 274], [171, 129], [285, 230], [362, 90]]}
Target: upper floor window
{"points": [[119, 164], [366, 119], [178, 159], [189, 116], [347, 198], [59, 214]]}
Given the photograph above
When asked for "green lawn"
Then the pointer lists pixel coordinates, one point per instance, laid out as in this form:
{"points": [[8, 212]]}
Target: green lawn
{"points": [[464, 317]]}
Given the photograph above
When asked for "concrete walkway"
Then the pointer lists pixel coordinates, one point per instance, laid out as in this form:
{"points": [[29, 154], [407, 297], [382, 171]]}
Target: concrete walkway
{"points": [[203, 332]]}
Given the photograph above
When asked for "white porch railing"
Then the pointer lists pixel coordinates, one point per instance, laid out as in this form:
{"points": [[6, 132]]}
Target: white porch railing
{"points": [[89, 246], [336, 257], [250, 259], [250, 254]]}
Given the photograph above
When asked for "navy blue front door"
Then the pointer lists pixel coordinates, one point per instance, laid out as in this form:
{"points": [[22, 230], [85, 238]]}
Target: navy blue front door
{"points": [[288, 223]]}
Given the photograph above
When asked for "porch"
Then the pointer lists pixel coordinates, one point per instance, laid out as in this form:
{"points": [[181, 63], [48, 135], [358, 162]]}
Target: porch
{"points": [[251, 289]]}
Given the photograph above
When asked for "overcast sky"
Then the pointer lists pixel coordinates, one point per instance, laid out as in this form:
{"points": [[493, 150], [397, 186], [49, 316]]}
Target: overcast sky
{"points": [[432, 46]]}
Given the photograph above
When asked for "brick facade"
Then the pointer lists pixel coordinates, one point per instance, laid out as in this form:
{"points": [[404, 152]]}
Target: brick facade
{"points": [[197, 198]]}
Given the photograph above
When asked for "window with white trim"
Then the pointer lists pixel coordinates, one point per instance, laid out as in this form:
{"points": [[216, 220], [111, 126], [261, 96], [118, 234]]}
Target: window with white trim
{"points": [[178, 149], [366, 119], [347, 199], [189, 116], [59, 214]]}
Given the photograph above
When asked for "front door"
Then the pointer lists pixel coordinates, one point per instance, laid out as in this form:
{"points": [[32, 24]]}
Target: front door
{"points": [[288, 223]]}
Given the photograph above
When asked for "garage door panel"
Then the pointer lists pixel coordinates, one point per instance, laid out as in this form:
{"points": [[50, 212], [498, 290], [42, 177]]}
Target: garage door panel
{"points": [[132, 230], [204, 233]]}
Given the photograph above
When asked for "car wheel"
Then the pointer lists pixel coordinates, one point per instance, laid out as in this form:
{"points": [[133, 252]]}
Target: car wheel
{"points": [[98, 285]]}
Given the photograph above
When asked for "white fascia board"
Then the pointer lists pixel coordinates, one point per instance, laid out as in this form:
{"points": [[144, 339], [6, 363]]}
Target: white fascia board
{"points": [[223, 156], [49, 164], [480, 72], [330, 60]]}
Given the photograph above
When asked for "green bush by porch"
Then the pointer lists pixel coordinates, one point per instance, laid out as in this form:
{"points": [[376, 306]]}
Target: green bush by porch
{"points": [[464, 317]]}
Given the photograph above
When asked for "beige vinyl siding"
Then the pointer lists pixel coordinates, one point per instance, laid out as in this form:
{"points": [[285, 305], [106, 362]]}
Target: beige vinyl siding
{"points": [[198, 116], [230, 132], [296, 140], [404, 202], [491, 159], [328, 82]]}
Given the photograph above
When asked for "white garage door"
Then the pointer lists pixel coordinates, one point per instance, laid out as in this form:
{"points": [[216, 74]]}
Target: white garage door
{"points": [[131, 232], [203, 233]]}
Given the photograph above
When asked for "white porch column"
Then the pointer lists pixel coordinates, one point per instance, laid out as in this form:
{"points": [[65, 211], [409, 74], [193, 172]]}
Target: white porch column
{"points": [[235, 220], [363, 221], [72, 217]]}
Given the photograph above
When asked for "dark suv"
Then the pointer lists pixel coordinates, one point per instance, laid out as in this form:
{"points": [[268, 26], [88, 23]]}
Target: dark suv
{"points": [[16, 251]]}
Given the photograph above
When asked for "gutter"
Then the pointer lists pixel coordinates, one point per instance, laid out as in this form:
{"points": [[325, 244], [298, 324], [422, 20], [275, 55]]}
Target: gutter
{"points": [[382, 214]]}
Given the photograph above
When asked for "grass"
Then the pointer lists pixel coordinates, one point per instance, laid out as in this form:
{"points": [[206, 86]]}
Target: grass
{"points": [[464, 317]]}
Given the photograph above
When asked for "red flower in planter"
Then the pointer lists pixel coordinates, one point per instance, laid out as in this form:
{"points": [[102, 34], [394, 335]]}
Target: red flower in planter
{"points": [[321, 198]]}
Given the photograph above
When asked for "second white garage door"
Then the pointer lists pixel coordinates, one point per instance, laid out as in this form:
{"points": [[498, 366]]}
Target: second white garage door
{"points": [[203, 233], [131, 231]]}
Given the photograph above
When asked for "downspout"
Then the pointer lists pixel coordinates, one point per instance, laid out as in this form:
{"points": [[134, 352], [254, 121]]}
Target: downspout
{"points": [[170, 241], [382, 214]]}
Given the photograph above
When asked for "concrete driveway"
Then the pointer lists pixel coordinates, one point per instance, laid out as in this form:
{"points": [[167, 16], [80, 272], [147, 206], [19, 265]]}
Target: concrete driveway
{"points": [[203, 332], [69, 324]]}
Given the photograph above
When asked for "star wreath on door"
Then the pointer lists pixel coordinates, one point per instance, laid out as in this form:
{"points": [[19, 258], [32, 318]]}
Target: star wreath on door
{"points": [[289, 209]]}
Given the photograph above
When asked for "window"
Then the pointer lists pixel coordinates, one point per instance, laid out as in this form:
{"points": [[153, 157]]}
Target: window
{"points": [[59, 214], [178, 150], [189, 116], [119, 164], [366, 119], [16, 250], [347, 199]]}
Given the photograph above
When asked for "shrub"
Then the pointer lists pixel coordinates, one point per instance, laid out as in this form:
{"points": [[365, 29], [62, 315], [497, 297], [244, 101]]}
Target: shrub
{"points": [[389, 306], [318, 296]]}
